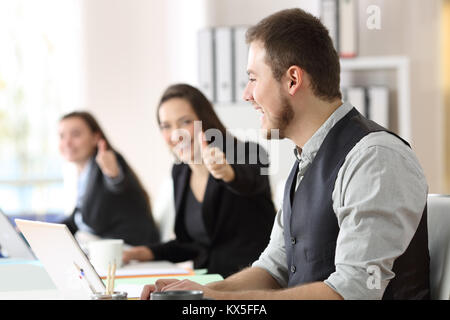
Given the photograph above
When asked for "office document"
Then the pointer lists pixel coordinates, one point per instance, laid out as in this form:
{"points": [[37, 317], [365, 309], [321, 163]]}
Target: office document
{"points": [[151, 268], [206, 71]]}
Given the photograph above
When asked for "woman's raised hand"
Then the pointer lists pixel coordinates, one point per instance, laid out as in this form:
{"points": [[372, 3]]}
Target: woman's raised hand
{"points": [[215, 161], [106, 160]]}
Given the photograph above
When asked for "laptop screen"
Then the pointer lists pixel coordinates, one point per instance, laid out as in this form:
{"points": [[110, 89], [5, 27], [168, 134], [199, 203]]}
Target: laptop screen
{"points": [[12, 243], [62, 258]]}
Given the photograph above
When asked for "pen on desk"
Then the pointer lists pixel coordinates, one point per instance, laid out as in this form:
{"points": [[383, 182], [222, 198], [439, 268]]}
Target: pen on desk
{"points": [[83, 277], [108, 279], [113, 277]]}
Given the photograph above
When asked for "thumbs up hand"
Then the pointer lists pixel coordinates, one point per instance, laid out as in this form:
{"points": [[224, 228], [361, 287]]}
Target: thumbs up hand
{"points": [[106, 160], [215, 161]]}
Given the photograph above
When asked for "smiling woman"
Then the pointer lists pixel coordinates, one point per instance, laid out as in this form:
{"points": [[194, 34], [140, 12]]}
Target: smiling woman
{"points": [[111, 201], [223, 204]]}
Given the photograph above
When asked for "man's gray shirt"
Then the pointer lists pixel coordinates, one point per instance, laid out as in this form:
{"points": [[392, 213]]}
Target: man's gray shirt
{"points": [[378, 198]]}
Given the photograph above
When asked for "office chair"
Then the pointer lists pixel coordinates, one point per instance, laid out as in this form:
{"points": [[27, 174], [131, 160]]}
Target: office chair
{"points": [[439, 245]]}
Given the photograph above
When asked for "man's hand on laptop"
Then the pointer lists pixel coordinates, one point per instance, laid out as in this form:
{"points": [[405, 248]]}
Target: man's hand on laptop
{"points": [[158, 286]]}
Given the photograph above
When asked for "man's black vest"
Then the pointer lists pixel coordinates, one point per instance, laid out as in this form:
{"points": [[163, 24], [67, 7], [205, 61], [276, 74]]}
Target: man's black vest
{"points": [[311, 227]]}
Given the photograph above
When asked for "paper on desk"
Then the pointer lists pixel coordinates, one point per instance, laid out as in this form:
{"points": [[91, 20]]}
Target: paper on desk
{"points": [[148, 272], [148, 269], [133, 290]]}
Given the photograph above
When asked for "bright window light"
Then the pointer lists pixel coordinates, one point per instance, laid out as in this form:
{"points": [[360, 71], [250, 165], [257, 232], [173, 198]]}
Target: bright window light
{"points": [[39, 81]]}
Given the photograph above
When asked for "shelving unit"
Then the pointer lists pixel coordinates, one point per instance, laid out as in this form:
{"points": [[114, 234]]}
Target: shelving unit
{"points": [[399, 64]]}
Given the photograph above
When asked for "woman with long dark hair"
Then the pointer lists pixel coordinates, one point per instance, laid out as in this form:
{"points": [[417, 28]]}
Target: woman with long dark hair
{"points": [[111, 201], [223, 204]]}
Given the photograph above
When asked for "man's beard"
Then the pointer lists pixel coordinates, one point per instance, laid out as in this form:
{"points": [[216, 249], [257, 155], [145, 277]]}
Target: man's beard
{"points": [[280, 124]]}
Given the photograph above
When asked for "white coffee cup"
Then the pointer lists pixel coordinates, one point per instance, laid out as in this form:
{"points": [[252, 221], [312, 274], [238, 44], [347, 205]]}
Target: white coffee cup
{"points": [[105, 252]]}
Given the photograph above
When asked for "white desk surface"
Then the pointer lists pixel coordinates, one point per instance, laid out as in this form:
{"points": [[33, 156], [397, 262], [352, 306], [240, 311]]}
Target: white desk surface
{"points": [[28, 280], [22, 279], [52, 294]]}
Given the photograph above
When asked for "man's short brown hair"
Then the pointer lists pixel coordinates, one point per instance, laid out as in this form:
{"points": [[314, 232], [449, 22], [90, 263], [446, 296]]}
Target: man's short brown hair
{"points": [[295, 37]]}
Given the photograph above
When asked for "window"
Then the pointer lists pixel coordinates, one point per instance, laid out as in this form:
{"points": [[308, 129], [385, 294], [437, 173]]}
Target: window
{"points": [[39, 81]]}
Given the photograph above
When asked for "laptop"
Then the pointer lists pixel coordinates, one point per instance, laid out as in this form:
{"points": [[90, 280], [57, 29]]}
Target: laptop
{"points": [[12, 245], [63, 259]]}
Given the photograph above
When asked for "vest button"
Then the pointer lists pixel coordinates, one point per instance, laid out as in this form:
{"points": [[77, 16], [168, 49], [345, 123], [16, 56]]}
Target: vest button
{"points": [[293, 240], [293, 269]]}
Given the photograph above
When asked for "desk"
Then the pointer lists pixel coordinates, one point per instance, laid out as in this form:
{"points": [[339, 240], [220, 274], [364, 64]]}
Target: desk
{"points": [[25, 279], [28, 280]]}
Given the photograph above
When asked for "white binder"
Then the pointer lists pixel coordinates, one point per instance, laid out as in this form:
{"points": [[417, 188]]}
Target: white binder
{"points": [[378, 98], [357, 98], [348, 28], [240, 62], [206, 63], [344, 94], [224, 64], [330, 20]]}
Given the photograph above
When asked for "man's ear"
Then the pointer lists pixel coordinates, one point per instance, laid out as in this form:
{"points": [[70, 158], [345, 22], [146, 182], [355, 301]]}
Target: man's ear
{"points": [[294, 79]]}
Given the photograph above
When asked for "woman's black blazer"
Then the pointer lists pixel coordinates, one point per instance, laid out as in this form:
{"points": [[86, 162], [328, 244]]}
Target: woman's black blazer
{"points": [[122, 212], [238, 218]]}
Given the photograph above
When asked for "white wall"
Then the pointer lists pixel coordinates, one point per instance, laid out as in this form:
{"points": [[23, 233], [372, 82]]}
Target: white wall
{"points": [[236, 12], [411, 28], [183, 20], [126, 59]]}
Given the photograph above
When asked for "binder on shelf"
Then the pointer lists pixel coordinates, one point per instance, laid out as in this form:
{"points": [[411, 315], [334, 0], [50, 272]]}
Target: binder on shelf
{"points": [[344, 94], [240, 62], [357, 97], [378, 105], [348, 28], [224, 64], [330, 19], [206, 69]]}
